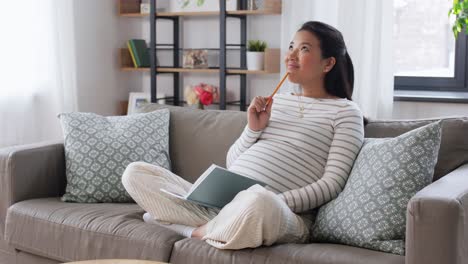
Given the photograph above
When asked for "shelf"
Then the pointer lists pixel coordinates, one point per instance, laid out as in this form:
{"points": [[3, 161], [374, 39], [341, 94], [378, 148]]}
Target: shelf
{"points": [[230, 71], [236, 71], [131, 8], [133, 15], [255, 12], [172, 14], [162, 69], [175, 14], [135, 69], [205, 13], [272, 56]]}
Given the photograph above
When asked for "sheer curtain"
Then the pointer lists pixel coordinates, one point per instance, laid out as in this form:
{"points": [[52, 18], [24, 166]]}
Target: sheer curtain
{"points": [[367, 27], [37, 69]]}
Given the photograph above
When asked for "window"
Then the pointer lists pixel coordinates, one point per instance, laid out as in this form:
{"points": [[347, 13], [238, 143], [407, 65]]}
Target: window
{"points": [[427, 56]]}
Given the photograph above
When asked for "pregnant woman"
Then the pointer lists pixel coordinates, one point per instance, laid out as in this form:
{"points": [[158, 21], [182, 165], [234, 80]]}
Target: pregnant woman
{"points": [[302, 146]]}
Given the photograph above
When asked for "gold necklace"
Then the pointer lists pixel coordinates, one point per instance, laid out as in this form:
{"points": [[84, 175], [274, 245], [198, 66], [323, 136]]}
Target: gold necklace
{"points": [[301, 107]]}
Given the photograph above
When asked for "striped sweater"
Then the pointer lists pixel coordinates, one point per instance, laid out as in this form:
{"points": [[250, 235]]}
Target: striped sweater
{"points": [[307, 160]]}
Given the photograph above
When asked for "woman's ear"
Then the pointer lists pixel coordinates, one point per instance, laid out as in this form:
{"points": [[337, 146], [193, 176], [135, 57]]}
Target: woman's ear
{"points": [[329, 64]]}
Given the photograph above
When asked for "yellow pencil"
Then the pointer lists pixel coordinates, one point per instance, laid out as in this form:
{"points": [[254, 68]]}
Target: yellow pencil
{"points": [[277, 87]]}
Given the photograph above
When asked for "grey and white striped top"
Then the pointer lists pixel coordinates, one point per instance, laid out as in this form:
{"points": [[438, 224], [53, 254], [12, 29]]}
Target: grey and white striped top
{"points": [[305, 160]]}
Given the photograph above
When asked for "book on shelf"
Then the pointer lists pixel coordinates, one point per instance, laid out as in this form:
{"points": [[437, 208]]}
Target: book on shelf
{"points": [[216, 187], [131, 54], [139, 52]]}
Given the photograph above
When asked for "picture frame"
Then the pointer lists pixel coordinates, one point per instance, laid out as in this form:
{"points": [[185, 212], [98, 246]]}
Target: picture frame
{"points": [[136, 100], [195, 59]]}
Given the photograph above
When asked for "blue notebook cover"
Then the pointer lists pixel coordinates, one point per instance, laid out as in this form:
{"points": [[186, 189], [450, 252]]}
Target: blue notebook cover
{"points": [[216, 187]]}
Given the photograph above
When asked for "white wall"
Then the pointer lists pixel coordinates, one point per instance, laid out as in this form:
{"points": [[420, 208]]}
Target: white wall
{"points": [[100, 32]]}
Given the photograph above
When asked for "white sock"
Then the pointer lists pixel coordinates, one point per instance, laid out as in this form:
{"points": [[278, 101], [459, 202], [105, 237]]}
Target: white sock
{"points": [[183, 230]]}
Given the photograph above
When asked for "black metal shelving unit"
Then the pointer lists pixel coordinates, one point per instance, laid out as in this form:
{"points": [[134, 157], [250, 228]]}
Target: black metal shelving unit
{"points": [[175, 45], [223, 73]]}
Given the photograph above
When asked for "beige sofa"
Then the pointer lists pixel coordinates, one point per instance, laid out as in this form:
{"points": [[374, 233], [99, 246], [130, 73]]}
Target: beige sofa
{"points": [[36, 227]]}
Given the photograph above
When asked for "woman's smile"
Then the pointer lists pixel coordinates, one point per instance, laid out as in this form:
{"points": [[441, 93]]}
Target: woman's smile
{"points": [[293, 66]]}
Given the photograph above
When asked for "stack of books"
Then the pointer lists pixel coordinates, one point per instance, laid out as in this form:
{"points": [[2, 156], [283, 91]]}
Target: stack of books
{"points": [[139, 52]]}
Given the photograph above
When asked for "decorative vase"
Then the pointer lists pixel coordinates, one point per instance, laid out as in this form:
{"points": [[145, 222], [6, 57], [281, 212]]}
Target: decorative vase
{"points": [[200, 106], [252, 5], [255, 60]]}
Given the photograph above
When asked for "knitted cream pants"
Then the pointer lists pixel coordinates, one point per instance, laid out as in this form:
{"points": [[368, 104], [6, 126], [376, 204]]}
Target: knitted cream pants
{"points": [[253, 218]]}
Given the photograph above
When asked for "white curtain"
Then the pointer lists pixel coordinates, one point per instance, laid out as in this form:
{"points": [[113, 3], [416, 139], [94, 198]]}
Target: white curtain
{"points": [[37, 69], [367, 27]]}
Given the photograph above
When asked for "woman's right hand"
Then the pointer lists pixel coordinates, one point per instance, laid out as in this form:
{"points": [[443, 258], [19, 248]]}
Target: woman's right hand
{"points": [[258, 114]]}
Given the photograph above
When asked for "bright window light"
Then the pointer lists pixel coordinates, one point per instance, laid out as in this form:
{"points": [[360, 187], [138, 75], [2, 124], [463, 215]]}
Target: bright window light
{"points": [[424, 43]]}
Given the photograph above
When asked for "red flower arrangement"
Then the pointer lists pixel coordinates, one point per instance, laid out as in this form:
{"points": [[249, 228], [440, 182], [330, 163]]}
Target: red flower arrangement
{"points": [[201, 94]]}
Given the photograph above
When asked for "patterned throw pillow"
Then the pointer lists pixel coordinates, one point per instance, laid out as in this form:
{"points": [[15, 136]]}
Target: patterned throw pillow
{"points": [[371, 210], [98, 149]]}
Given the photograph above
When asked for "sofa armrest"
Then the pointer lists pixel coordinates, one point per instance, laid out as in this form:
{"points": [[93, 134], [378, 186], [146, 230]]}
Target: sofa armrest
{"points": [[437, 221], [30, 171]]}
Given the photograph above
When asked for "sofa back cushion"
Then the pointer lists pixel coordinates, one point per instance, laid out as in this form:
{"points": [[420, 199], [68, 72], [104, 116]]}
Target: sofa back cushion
{"points": [[198, 138], [454, 145]]}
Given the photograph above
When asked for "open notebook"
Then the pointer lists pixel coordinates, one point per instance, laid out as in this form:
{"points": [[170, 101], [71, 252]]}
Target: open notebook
{"points": [[216, 187]]}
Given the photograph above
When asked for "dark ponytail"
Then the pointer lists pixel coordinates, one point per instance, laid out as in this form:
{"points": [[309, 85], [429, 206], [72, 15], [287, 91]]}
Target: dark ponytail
{"points": [[340, 80], [350, 74]]}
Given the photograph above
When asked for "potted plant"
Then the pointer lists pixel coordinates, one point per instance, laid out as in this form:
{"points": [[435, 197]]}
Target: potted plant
{"points": [[255, 54], [460, 11]]}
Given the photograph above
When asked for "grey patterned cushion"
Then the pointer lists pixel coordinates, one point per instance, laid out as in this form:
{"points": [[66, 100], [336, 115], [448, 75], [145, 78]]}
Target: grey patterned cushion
{"points": [[98, 149], [371, 210]]}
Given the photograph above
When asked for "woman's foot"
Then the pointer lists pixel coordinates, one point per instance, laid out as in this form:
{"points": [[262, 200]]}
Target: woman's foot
{"points": [[199, 232], [183, 230]]}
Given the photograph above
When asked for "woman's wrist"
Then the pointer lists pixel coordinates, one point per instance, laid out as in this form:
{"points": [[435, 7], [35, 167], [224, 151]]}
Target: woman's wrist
{"points": [[253, 131]]}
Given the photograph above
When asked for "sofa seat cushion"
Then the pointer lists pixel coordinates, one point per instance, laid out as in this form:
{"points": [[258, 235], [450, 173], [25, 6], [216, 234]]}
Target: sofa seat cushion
{"points": [[196, 251], [73, 231]]}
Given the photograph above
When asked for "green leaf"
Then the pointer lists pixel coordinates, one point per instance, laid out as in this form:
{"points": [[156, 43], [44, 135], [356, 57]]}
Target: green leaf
{"points": [[256, 45], [455, 32], [460, 11], [200, 2], [463, 5]]}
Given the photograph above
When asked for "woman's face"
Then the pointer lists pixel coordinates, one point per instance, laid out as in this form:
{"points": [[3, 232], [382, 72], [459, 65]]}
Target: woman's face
{"points": [[304, 59]]}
